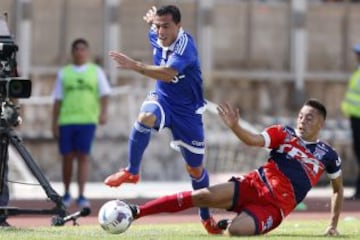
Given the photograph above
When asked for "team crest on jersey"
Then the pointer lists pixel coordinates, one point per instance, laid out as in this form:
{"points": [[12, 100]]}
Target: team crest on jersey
{"points": [[319, 153]]}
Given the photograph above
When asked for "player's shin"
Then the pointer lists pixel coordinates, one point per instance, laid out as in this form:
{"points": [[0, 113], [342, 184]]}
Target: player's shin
{"points": [[138, 141], [171, 203], [198, 183]]}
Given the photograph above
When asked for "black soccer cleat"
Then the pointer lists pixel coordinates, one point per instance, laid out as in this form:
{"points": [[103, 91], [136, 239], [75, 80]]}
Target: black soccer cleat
{"points": [[223, 224], [135, 210]]}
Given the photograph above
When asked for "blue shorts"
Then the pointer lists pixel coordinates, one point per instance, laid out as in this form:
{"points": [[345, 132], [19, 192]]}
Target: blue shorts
{"points": [[187, 129], [76, 138]]}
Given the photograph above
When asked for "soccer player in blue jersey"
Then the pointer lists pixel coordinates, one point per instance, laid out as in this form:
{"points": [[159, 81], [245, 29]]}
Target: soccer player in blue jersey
{"points": [[177, 102]]}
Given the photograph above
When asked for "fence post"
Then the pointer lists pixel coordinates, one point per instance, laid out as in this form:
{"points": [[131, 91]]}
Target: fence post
{"points": [[345, 21], [298, 47], [112, 30], [205, 38]]}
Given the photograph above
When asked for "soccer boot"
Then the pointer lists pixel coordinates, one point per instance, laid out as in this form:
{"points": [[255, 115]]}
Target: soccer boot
{"points": [[211, 226], [223, 224], [135, 210], [120, 177]]}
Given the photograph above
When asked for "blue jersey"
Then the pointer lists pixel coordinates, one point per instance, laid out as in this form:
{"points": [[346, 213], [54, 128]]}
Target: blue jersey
{"points": [[185, 92]]}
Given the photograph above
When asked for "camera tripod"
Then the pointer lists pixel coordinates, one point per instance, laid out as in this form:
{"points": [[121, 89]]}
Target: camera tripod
{"points": [[9, 136]]}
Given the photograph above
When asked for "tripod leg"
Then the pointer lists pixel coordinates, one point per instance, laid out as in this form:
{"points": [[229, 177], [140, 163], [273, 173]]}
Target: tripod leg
{"points": [[4, 188], [4, 142], [35, 170]]}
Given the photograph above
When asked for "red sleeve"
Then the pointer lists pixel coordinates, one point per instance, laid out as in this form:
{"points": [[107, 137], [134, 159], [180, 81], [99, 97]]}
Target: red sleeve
{"points": [[274, 136]]}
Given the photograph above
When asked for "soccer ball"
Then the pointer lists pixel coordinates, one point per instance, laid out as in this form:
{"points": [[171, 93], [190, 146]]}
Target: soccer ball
{"points": [[115, 216]]}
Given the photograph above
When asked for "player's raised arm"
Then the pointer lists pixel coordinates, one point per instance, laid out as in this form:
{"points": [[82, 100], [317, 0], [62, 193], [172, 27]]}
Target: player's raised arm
{"points": [[230, 117]]}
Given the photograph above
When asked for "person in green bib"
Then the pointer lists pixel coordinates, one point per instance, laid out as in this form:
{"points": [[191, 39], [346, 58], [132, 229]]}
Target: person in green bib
{"points": [[351, 108], [81, 97]]}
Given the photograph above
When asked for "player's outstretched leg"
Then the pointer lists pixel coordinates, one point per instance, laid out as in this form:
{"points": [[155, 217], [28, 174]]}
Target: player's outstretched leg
{"points": [[210, 224], [171, 204]]}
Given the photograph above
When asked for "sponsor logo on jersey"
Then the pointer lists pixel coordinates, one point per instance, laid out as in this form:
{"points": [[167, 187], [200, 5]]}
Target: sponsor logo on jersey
{"points": [[197, 143], [310, 164]]}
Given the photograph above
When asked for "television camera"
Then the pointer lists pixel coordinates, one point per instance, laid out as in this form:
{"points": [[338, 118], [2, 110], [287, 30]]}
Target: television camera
{"points": [[11, 88]]}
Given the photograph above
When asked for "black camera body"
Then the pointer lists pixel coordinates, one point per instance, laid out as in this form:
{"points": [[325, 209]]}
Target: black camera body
{"points": [[11, 86]]}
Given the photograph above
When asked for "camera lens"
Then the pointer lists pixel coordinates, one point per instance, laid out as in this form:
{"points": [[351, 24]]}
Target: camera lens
{"points": [[19, 88], [16, 88]]}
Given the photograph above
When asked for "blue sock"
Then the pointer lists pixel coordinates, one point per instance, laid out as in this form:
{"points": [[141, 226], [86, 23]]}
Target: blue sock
{"points": [[198, 183], [138, 141]]}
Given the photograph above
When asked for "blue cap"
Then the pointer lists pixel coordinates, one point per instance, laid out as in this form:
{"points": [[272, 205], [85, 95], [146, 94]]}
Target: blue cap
{"points": [[356, 48]]}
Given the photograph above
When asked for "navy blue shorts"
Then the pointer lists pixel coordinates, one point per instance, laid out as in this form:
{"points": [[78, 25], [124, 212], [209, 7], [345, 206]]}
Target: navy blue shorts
{"points": [[187, 129], [76, 138]]}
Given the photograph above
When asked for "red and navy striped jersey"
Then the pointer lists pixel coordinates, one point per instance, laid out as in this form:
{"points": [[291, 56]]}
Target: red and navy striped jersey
{"points": [[301, 163]]}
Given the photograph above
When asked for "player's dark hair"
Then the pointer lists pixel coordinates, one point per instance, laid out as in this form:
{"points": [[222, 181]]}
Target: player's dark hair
{"points": [[317, 105], [172, 10], [77, 42]]}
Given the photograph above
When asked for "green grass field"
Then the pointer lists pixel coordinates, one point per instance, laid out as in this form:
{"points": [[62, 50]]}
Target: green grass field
{"points": [[288, 230]]}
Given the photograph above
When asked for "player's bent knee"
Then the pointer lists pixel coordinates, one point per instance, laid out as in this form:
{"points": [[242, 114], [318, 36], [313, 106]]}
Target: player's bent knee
{"points": [[239, 232], [242, 225], [147, 118]]}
